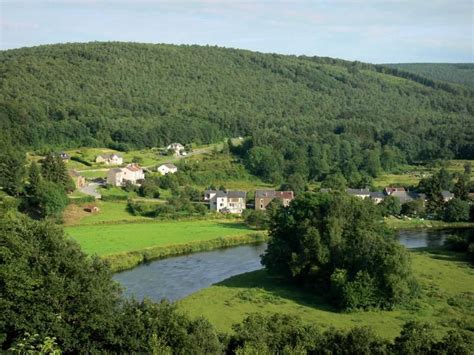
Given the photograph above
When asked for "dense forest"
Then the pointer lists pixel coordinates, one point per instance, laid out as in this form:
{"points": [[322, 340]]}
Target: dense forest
{"points": [[304, 116], [457, 73]]}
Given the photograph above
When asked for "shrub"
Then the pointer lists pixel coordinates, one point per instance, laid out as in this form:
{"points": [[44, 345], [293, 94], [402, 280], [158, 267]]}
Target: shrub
{"points": [[81, 160], [456, 210]]}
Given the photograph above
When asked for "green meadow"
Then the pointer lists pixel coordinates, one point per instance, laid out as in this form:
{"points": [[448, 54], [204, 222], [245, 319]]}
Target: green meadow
{"points": [[446, 301], [108, 239]]}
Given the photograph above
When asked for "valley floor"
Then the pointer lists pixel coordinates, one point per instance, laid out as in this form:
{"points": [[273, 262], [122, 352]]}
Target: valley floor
{"points": [[447, 299]]}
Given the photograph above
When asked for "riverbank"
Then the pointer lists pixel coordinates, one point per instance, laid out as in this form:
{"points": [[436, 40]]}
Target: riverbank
{"points": [[129, 260], [419, 223], [446, 281]]}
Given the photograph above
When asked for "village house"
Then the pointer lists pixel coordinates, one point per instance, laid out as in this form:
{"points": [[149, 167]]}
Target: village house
{"points": [[167, 169], [377, 197], [447, 196], [176, 148], [264, 197], [407, 196], [92, 209], [119, 176], [109, 159], [79, 180], [389, 190], [226, 201], [361, 193]]}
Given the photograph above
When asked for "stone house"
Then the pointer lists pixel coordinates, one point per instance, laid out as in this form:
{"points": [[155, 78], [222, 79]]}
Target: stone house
{"points": [[79, 180], [177, 148], [264, 197]]}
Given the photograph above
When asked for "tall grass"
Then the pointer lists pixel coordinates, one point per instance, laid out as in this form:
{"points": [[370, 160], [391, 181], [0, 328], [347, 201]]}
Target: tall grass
{"points": [[128, 260]]}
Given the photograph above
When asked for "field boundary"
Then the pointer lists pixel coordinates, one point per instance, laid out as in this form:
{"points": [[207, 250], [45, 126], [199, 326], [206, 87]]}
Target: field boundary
{"points": [[128, 260]]}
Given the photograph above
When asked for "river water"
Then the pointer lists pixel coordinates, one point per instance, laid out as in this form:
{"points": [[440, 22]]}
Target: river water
{"points": [[178, 277]]}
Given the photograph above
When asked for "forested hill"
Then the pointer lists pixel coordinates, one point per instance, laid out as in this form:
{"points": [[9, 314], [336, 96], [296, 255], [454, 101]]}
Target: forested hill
{"points": [[136, 95], [457, 73]]}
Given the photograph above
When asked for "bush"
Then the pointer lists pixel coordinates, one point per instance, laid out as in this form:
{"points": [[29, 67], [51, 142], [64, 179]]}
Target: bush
{"points": [[456, 210], [390, 206], [256, 218], [81, 160]]}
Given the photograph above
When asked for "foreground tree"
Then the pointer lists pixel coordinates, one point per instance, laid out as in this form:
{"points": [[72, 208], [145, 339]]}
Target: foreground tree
{"points": [[12, 171], [335, 243]]}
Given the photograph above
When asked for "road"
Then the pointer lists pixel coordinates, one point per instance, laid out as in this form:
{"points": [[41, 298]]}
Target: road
{"points": [[91, 189]]}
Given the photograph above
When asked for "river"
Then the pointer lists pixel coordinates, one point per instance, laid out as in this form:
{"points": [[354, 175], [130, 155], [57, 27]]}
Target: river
{"points": [[178, 277]]}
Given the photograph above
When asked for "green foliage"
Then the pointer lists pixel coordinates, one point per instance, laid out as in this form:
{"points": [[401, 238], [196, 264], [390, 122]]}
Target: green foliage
{"points": [[332, 242], [51, 199], [456, 210], [462, 187], [150, 188], [256, 218], [54, 170], [459, 73], [414, 208], [81, 160], [12, 170], [305, 115], [390, 206]]}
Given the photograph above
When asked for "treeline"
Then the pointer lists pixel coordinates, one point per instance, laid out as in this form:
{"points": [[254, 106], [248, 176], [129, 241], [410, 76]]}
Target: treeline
{"points": [[55, 298], [458, 73], [126, 95]]}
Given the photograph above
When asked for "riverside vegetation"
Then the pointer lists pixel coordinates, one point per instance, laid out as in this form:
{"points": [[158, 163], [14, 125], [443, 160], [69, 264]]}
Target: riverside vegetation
{"points": [[54, 298]]}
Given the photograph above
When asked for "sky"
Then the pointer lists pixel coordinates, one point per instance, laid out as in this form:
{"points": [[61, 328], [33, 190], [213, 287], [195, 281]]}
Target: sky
{"points": [[375, 31]]}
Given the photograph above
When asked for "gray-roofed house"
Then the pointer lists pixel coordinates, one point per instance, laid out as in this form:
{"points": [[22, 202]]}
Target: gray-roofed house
{"points": [[361, 193], [377, 197], [447, 195], [226, 201], [167, 169]]}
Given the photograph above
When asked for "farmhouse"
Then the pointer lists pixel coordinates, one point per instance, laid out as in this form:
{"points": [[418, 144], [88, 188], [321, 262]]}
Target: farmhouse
{"points": [[176, 148], [119, 176], [226, 201], [167, 169], [79, 180], [109, 159], [361, 193], [64, 156], [264, 197]]}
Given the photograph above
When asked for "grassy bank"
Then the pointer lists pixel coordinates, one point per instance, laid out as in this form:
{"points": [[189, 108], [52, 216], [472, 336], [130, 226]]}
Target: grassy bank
{"points": [[417, 223], [128, 260], [447, 299]]}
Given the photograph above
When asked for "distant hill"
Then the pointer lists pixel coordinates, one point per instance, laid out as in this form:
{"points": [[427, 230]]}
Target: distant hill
{"points": [[303, 109], [462, 73]]}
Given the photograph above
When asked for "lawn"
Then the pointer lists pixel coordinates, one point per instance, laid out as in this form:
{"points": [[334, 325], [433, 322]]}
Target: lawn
{"points": [[447, 300], [108, 239]]}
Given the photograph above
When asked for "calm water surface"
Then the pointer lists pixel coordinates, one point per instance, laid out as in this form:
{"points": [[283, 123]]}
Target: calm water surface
{"points": [[178, 277]]}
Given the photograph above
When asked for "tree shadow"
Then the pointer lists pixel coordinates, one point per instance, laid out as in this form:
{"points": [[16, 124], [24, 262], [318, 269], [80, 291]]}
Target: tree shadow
{"points": [[279, 287], [441, 253]]}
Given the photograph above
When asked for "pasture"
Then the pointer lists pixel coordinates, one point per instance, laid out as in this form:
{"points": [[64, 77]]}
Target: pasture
{"points": [[108, 239], [446, 301]]}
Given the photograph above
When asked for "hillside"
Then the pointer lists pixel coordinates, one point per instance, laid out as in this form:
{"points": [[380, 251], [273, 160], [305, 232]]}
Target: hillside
{"points": [[459, 73], [306, 116]]}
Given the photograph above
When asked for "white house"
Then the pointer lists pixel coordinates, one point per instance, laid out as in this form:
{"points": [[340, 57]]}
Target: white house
{"points": [[132, 173], [226, 202], [361, 193], [109, 159], [177, 148], [167, 169]]}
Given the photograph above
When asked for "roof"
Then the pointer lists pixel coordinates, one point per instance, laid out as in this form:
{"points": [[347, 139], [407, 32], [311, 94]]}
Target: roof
{"points": [[169, 166], [377, 194], [109, 155], [175, 145], [133, 167], [264, 193], [358, 191], [236, 194], [447, 194], [389, 190]]}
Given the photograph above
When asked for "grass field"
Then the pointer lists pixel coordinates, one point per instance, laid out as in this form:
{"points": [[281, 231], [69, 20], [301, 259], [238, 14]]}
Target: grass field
{"points": [[447, 300], [107, 239], [414, 223]]}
